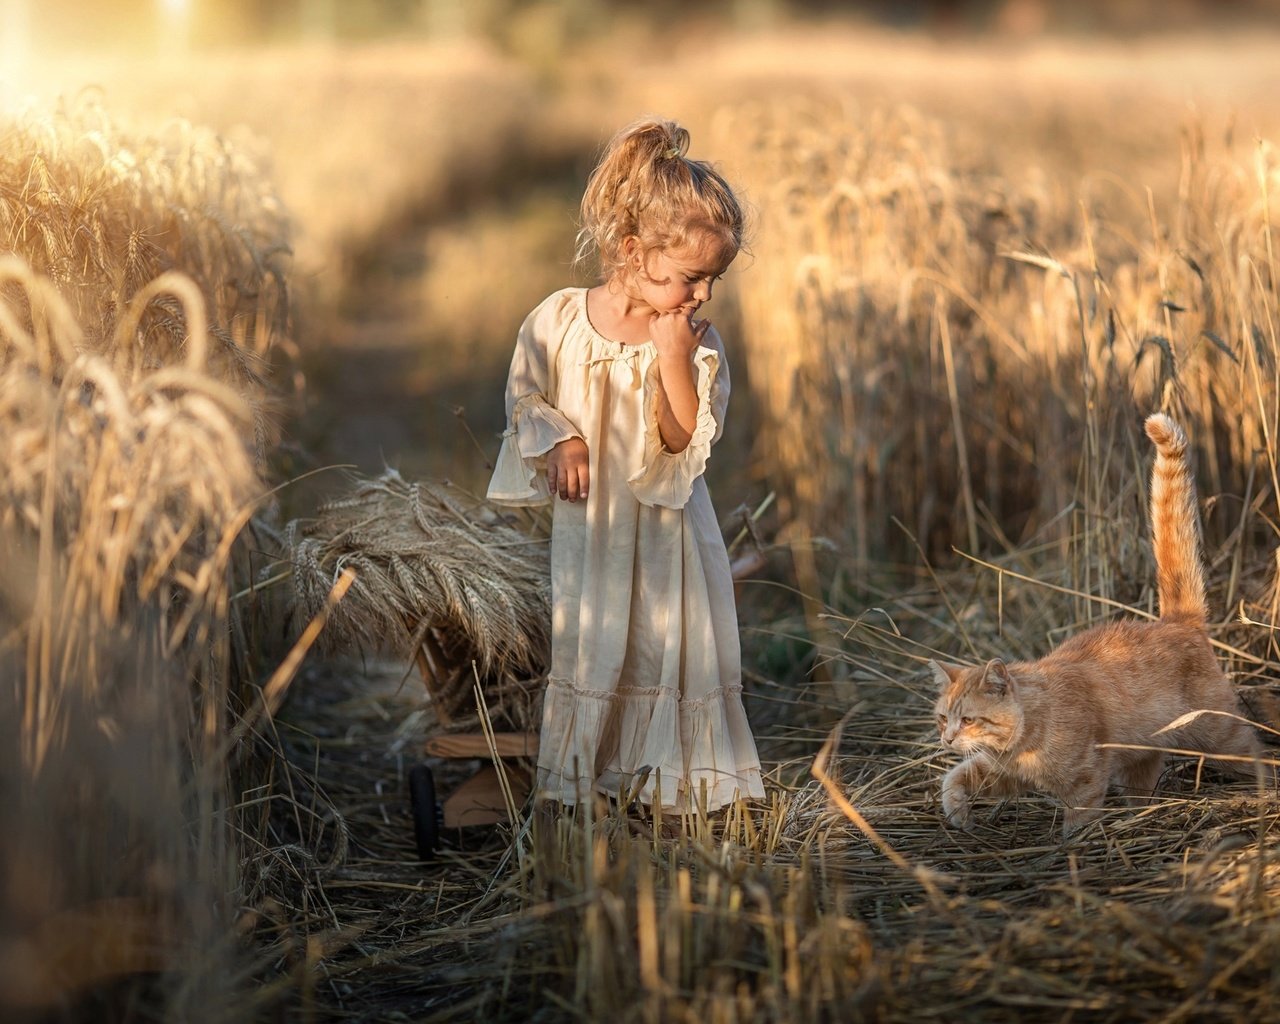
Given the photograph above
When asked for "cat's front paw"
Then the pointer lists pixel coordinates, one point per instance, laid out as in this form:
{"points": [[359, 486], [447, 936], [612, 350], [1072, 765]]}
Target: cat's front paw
{"points": [[957, 805]]}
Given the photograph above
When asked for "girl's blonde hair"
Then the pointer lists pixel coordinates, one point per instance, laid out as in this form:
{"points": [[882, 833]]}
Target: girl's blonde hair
{"points": [[644, 186]]}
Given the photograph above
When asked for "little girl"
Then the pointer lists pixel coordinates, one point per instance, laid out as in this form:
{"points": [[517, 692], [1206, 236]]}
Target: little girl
{"points": [[615, 397]]}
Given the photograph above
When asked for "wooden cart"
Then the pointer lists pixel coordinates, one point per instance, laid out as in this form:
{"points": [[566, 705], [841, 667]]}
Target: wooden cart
{"points": [[482, 799]]}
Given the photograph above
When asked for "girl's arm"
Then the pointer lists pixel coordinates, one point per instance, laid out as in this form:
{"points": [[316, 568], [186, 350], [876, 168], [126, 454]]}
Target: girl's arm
{"points": [[535, 427], [679, 436], [676, 337]]}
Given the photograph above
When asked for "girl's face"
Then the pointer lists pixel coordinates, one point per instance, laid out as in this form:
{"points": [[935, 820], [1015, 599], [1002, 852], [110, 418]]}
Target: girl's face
{"points": [[681, 278]]}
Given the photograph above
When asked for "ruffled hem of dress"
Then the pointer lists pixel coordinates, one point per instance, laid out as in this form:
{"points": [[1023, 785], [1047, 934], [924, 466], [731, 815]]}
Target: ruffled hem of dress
{"points": [[536, 427], [653, 727], [666, 478]]}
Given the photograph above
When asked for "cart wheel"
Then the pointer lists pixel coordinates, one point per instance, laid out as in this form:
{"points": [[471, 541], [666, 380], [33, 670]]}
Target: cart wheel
{"points": [[426, 812]]}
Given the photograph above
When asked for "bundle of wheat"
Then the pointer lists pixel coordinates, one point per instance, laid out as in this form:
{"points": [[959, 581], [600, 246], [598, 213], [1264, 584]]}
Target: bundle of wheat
{"points": [[436, 571]]}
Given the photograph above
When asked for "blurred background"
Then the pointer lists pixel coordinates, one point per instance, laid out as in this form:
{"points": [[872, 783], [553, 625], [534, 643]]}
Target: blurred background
{"points": [[135, 24], [431, 153], [426, 160]]}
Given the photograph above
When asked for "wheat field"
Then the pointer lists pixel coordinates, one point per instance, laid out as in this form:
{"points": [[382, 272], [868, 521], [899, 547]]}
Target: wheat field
{"points": [[974, 268]]}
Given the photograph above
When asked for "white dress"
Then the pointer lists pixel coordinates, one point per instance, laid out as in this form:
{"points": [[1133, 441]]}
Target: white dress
{"points": [[646, 667]]}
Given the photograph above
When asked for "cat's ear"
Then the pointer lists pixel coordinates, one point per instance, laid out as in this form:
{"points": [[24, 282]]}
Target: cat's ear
{"points": [[943, 674], [996, 678]]}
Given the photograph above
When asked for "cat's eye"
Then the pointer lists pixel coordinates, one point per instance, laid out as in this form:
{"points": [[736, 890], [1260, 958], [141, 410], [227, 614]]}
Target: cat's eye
{"points": [[966, 721]]}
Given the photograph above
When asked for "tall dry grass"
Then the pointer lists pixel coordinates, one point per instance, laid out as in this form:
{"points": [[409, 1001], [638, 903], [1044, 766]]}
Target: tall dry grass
{"points": [[357, 140], [972, 354], [142, 293]]}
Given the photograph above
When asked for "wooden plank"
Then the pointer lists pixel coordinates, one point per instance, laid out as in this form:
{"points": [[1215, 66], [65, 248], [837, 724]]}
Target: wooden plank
{"points": [[508, 744], [478, 801]]}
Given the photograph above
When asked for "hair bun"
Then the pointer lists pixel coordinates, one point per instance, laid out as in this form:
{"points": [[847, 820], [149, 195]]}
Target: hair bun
{"points": [[675, 141], [646, 188]]}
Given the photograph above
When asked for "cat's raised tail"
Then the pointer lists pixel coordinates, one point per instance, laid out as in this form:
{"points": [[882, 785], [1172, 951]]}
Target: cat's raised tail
{"points": [[1175, 525]]}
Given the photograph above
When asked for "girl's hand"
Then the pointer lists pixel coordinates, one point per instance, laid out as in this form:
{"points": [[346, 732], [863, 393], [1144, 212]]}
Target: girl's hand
{"points": [[568, 469], [676, 333]]}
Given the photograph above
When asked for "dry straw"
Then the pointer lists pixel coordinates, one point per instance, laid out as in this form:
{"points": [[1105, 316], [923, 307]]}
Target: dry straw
{"points": [[436, 572], [793, 910], [1020, 326], [141, 294]]}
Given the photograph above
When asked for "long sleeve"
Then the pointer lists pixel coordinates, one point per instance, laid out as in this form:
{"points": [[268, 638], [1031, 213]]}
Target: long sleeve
{"points": [[666, 478], [534, 424]]}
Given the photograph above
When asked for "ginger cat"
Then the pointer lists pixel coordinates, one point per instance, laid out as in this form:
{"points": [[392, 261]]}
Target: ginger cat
{"points": [[1038, 725]]}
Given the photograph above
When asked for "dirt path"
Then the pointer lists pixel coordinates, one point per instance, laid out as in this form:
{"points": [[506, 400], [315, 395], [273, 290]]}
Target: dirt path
{"points": [[365, 915], [373, 400], [406, 364], [363, 912]]}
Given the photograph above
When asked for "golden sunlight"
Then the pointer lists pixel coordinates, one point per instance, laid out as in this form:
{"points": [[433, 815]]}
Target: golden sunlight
{"points": [[175, 25], [15, 43], [265, 271]]}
